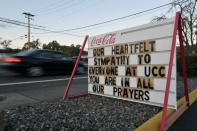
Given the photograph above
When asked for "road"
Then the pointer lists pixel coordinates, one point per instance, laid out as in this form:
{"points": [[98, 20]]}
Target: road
{"points": [[19, 89]]}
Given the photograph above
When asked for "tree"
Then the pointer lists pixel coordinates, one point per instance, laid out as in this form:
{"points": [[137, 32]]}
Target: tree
{"points": [[54, 45], [188, 9], [32, 45], [74, 51], [44, 46], [6, 43], [78, 46], [66, 50], [71, 50]]}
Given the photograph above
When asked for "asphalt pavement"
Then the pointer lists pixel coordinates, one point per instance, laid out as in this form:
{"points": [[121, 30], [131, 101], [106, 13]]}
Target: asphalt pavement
{"points": [[17, 89], [187, 121]]}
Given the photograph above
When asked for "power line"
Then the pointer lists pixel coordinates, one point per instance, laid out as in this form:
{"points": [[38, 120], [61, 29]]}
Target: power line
{"points": [[36, 28], [71, 12], [48, 6], [19, 22], [60, 7], [116, 19], [21, 36], [109, 21], [112, 20], [100, 23], [123, 20], [9, 22], [63, 33]]}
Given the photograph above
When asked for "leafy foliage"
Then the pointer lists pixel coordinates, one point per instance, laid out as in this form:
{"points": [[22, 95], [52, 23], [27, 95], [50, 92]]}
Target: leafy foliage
{"points": [[54, 45], [32, 45], [6, 43], [188, 9], [71, 50], [67, 50]]}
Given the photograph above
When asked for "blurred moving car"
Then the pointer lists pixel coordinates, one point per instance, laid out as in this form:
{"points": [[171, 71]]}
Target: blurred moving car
{"points": [[2, 56], [38, 62], [83, 60]]}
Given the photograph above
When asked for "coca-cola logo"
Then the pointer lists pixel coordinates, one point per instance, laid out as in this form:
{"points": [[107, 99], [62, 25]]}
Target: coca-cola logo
{"points": [[108, 39]]}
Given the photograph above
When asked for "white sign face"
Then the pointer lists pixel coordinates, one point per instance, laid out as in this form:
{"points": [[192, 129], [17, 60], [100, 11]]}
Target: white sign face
{"points": [[132, 64]]}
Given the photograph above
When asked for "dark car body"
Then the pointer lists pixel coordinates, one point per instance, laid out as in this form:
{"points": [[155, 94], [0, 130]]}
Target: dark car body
{"points": [[40, 61], [83, 60]]}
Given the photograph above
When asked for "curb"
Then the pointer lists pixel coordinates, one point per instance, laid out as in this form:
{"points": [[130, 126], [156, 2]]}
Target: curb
{"points": [[153, 124]]}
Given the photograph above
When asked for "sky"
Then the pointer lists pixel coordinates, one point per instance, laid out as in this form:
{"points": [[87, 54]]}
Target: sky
{"points": [[58, 15]]}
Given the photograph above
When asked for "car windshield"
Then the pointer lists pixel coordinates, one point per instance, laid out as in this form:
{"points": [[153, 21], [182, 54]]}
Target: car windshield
{"points": [[24, 53]]}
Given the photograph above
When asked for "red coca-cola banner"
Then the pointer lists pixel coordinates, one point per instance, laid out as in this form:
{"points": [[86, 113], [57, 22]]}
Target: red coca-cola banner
{"points": [[107, 39]]}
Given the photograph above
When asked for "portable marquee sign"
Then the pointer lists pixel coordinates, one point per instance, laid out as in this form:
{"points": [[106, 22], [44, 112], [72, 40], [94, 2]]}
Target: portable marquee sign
{"points": [[132, 64], [137, 64]]}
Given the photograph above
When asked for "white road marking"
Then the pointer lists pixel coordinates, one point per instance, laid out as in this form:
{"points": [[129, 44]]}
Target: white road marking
{"points": [[30, 82]]}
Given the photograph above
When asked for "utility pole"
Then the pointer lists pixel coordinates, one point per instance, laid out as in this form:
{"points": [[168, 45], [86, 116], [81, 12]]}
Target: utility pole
{"points": [[29, 17]]}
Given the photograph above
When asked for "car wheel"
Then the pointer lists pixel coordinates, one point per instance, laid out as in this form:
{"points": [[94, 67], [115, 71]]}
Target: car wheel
{"points": [[35, 71], [81, 70]]}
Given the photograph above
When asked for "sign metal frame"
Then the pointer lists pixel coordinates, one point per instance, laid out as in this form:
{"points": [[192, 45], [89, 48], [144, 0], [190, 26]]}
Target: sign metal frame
{"points": [[177, 28]]}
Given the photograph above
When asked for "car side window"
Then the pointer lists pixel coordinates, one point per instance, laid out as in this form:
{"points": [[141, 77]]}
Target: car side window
{"points": [[60, 56], [57, 55], [43, 54], [52, 55]]}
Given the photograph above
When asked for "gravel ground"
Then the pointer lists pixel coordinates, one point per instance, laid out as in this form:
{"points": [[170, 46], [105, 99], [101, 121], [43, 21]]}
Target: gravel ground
{"points": [[86, 113], [192, 84]]}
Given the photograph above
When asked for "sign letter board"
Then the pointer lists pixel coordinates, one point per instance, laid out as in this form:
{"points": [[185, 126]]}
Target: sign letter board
{"points": [[132, 64]]}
